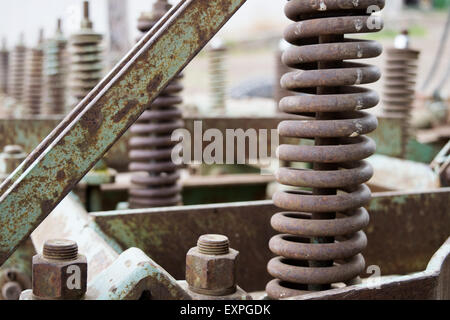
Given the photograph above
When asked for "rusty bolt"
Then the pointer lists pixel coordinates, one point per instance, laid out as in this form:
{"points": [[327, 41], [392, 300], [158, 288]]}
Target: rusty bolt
{"points": [[60, 273], [211, 266]]}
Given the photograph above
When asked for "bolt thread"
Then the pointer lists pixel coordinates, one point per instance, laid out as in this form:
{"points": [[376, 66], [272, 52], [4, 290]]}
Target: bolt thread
{"points": [[60, 250], [213, 244]]}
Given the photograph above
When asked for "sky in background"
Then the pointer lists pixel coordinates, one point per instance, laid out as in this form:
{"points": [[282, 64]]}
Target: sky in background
{"points": [[28, 16]]}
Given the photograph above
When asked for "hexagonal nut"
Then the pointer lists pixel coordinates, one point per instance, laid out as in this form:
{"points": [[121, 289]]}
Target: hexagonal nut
{"points": [[209, 274], [59, 280]]}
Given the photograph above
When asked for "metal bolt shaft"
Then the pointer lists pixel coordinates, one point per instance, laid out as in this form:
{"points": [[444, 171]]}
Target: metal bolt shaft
{"points": [[60, 250], [213, 244]]}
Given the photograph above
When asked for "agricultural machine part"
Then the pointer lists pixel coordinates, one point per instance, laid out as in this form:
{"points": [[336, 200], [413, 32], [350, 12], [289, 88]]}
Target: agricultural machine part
{"points": [[85, 59], [11, 157], [17, 71], [33, 89], [399, 90], [211, 270], [4, 67], [281, 70], [441, 165], [318, 248], [100, 119], [95, 178], [217, 74], [156, 182], [59, 273], [55, 73]]}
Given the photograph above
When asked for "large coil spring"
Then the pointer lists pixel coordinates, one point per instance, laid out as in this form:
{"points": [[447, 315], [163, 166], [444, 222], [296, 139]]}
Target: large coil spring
{"points": [[17, 71], [399, 88], [55, 71], [156, 183], [322, 237], [4, 67], [32, 97], [85, 59]]}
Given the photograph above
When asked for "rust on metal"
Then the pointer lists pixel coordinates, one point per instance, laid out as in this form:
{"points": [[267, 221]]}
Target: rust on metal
{"points": [[84, 136], [310, 245]]}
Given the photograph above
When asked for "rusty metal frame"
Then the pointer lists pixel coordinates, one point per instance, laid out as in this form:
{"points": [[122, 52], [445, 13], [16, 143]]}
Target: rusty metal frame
{"points": [[72, 149]]}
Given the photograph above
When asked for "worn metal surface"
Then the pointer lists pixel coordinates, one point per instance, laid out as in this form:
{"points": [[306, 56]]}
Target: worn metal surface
{"points": [[306, 247], [60, 272], [135, 276], [393, 242], [430, 284], [73, 148], [155, 183]]}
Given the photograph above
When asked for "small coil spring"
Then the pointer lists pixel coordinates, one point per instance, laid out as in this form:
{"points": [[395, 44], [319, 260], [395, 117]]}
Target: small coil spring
{"points": [[17, 71], [322, 237], [55, 73], [85, 58], [4, 67], [156, 183], [399, 88], [32, 97], [217, 71]]}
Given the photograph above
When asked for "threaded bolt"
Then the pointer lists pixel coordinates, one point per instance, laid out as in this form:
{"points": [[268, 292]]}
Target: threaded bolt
{"points": [[60, 250], [213, 244]]}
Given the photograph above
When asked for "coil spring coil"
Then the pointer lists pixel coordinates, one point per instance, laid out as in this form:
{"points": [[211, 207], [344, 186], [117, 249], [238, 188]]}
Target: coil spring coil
{"points": [[217, 54], [151, 145], [17, 72], [32, 99], [55, 72], [399, 87], [321, 240], [4, 68]]}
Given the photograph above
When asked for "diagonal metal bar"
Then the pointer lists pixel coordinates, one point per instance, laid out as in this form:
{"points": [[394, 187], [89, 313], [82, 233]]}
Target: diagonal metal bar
{"points": [[73, 148]]}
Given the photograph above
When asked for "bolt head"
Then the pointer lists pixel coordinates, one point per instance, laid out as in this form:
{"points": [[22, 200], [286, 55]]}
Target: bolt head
{"points": [[211, 274], [59, 279]]}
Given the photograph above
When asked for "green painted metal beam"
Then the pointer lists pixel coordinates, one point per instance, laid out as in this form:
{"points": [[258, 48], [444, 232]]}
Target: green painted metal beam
{"points": [[84, 136]]}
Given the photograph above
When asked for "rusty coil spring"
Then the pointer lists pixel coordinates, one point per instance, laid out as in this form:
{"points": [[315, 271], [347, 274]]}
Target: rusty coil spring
{"points": [[4, 67], [156, 184], [399, 87], [32, 96], [55, 72], [322, 237], [86, 59], [17, 71]]}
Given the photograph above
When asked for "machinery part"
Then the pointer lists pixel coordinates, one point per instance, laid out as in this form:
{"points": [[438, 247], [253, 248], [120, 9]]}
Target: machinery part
{"points": [[322, 239], [4, 67], [32, 96], [55, 73], [156, 183], [17, 71], [95, 178], [217, 73], [59, 273], [92, 128], [281, 70], [441, 165], [11, 158], [85, 59], [399, 88], [211, 268]]}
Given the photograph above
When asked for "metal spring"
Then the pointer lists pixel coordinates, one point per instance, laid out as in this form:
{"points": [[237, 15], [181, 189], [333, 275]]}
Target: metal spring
{"points": [[399, 88], [86, 59], [156, 184], [217, 71], [17, 71], [281, 69], [4, 67], [322, 237], [55, 72], [32, 97]]}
